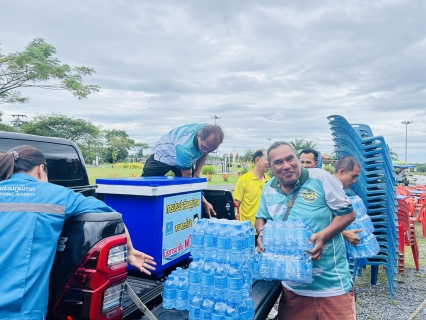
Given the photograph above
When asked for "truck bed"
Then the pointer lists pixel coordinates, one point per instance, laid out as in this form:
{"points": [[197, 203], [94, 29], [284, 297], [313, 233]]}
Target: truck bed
{"points": [[263, 293]]}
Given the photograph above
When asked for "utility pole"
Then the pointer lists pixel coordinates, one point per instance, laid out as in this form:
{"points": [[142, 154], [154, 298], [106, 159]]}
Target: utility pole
{"points": [[406, 135], [269, 141], [18, 122]]}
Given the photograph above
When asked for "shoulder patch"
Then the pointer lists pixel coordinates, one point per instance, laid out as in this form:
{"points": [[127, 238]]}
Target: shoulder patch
{"points": [[309, 195]]}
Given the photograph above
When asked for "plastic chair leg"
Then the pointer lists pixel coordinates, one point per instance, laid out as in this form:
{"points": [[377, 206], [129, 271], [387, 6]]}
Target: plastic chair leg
{"points": [[374, 273]]}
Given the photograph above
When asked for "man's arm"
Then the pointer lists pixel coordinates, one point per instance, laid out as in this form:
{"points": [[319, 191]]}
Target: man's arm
{"points": [[208, 208], [199, 165], [238, 202], [187, 173], [337, 225], [259, 228], [138, 259]]}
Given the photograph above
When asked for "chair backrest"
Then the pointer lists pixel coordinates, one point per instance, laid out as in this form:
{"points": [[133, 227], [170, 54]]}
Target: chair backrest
{"points": [[422, 198], [412, 202], [402, 192], [363, 130]]}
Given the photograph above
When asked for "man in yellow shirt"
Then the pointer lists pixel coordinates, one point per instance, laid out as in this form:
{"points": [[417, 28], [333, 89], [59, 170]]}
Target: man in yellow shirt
{"points": [[249, 187]]}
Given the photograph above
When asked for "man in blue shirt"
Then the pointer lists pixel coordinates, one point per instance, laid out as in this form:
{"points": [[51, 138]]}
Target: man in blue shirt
{"points": [[178, 150], [317, 198]]}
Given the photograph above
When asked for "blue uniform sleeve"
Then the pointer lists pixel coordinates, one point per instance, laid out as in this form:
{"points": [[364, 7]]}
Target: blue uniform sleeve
{"points": [[262, 211], [184, 158], [77, 204]]}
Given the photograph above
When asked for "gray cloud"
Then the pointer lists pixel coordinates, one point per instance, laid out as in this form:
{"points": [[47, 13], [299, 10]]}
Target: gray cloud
{"points": [[269, 69]]}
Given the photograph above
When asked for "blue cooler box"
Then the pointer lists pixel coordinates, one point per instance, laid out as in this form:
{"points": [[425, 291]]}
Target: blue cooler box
{"points": [[159, 213]]}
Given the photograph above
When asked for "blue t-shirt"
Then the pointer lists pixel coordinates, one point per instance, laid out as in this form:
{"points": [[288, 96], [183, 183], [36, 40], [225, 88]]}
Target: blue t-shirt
{"points": [[32, 216], [178, 148], [320, 199]]}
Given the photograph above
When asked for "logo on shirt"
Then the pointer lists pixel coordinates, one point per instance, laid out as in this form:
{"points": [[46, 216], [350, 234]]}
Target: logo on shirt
{"points": [[309, 195]]}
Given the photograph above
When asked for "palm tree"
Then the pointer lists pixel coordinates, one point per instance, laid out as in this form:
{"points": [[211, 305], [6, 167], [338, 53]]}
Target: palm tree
{"points": [[300, 144], [393, 154], [248, 155]]}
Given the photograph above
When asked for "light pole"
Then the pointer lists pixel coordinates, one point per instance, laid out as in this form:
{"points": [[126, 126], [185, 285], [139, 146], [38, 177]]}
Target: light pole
{"points": [[215, 117], [269, 141], [406, 131]]}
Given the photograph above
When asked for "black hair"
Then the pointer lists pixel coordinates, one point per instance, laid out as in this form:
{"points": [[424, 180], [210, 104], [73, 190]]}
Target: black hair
{"points": [[258, 154], [277, 144], [20, 159], [310, 150], [210, 129], [348, 163]]}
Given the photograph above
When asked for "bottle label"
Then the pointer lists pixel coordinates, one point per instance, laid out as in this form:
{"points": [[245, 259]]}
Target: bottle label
{"points": [[209, 240], [235, 283], [237, 244], [220, 282], [223, 243], [169, 294], [197, 239], [207, 279]]}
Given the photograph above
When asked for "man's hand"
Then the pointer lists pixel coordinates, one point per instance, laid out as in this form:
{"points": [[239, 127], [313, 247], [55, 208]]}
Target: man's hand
{"points": [[317, 250], [208, 209], [141, 261], [351, 236], [259, 246]]}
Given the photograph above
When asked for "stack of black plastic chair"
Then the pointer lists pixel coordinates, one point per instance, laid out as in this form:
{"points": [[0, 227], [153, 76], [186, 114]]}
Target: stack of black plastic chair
{"points": [[376, 186]]}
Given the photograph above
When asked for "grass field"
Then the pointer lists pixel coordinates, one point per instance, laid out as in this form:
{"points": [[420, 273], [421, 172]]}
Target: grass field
{"points": [[108, 171]]}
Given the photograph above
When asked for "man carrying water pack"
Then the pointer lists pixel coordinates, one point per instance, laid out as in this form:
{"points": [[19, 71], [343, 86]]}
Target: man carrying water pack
{"points": [[317, 198]]}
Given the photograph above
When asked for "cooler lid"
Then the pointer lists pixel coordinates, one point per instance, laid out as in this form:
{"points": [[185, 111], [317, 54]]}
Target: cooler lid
{"points": [[150, 181], [150, 186]]}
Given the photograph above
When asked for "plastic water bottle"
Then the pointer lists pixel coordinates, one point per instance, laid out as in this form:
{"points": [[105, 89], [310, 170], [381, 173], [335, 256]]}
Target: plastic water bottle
{"points": [[249, 304], [237, 246], [278, 233], [219, 311], [194, 278], [266, 265], [224, 243], [197, 241], [207, 278], [182, 294], [206, 309], [169, 292], [235, 286], [268, 236], [194, 308], [256, 260], [302, 234], [210, 239], [290, 235], [220, 283], [248, 239], [247, 275], [231, 314]]}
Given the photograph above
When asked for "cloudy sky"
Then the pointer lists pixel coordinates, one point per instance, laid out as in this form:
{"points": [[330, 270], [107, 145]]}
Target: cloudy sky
{"points": [[269, 69]]}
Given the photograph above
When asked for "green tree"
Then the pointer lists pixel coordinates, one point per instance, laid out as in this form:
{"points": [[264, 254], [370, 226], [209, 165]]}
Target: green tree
{"points": [[60, 126], [118, 145], [140, 147], [300, 144], [35, 67], [5, 127]]}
